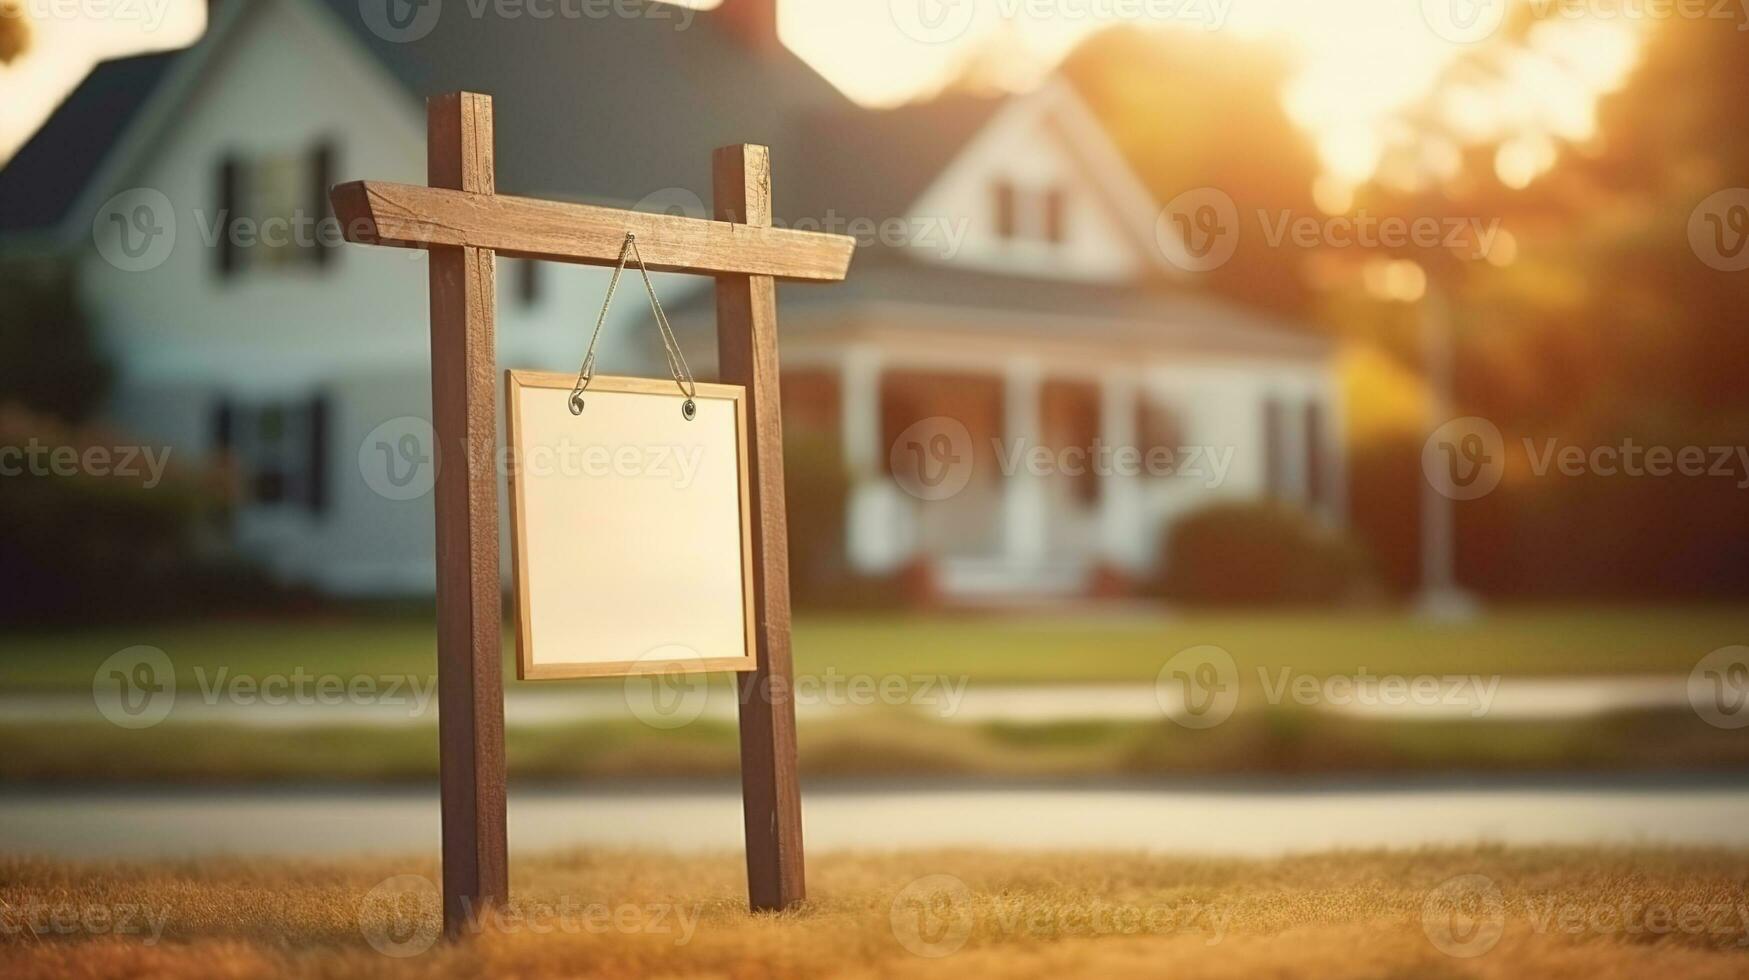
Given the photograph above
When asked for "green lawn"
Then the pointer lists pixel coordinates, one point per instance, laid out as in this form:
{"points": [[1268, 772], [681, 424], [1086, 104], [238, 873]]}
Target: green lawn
{"points": [[1010, 647], [885, 743]]}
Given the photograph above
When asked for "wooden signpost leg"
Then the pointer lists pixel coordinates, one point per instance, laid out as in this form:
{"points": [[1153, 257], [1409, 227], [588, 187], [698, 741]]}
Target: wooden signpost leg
{"points": [[463, 403], [747, 355]]}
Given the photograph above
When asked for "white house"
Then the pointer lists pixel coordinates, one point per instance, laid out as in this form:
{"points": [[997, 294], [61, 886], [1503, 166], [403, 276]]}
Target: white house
{"points": [[1012, 282]]}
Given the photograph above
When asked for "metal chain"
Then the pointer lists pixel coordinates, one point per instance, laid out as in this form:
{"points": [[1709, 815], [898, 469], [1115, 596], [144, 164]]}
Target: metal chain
{"points": [[670, 346]]}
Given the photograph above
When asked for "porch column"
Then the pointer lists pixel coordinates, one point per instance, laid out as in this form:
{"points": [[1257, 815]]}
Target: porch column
{"points": [[859, 413], [1024, 532], [877, 536], [1123, 536]]}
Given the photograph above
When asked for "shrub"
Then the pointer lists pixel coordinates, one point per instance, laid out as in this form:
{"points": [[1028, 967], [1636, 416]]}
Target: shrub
{"points": [[816, 495], [91, 546], [1261, 554]]}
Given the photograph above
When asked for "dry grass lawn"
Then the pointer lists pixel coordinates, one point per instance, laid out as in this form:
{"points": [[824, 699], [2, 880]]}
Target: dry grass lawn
{"points": [[1541, 912]]}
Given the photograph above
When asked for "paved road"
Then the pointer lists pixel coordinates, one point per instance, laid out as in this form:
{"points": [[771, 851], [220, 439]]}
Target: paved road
{"points": [[1241, 818]]}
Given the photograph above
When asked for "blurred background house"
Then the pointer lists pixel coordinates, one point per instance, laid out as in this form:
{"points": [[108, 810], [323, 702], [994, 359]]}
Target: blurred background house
{"points": [[1014, 278], [1036, 198]]}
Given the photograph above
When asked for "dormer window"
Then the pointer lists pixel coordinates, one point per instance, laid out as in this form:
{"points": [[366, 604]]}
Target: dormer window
{"points": [[1007, 225], [1030, 214], [1056, 215]]}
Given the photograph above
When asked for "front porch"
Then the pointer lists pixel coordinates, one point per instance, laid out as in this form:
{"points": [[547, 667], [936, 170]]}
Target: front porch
{"points": [[1004, 477]]}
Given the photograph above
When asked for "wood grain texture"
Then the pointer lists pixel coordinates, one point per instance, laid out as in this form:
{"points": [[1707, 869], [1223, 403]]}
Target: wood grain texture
{"points": [[463, 374], [378, 213], [747, 356]]}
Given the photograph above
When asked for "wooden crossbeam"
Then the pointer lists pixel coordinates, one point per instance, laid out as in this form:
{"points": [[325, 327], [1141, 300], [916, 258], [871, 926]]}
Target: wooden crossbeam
{"points": [[378, 213]]}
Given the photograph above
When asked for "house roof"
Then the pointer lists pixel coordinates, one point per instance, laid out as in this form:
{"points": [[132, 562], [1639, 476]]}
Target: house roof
{"points": [[562, 86], [697, 88], [45, 177], [1155, 315], [908, 146]]}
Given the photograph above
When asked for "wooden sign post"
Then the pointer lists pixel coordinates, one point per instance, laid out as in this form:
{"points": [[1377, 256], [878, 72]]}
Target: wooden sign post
{"points": [[463, 224]]}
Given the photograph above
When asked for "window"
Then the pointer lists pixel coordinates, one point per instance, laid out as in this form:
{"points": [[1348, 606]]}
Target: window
{"points": [[1159, 429], [1032, 215], [279, 449], [1056, 215], [275, 212], [1007, 225]]}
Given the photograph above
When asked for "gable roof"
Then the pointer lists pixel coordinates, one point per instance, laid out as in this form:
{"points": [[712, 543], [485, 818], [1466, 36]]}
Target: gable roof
{"points": [[45, 177], [907, 147], [698, 88]]}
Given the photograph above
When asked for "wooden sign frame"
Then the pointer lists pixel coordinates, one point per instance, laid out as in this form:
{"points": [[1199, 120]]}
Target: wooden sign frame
{"points": [[526, 667], [463, 224]]}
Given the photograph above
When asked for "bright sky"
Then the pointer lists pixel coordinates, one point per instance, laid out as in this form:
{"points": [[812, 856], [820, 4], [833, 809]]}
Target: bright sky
{"points": [[68, 38], [1357, 62]]}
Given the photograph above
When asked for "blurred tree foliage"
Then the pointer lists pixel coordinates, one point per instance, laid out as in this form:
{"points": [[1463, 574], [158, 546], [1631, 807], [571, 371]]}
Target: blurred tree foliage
{"points": [[1152, 90], [14, 31], [49, 360], [1597, 323]]}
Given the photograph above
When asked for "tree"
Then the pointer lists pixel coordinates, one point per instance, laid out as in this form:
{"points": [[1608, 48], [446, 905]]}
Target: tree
{"points": [[48, 358], [14, 32]]}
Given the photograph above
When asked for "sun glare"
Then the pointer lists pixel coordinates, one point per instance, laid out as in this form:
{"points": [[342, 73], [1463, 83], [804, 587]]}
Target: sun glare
{"points": [[1358, 64]]}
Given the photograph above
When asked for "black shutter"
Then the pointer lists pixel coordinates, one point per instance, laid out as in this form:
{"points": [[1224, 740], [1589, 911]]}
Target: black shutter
{"points": [[224, 426], [230, 259], [1007, 221], [318, 471], [229, 193], [321, 177], [528, 282]]}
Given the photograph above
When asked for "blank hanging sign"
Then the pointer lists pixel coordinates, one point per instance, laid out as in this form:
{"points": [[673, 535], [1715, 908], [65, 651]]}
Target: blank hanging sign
{"points": [[629, 526]]}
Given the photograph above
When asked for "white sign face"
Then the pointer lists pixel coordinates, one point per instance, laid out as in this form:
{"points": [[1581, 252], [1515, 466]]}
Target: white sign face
{"points": [[630, 528]]}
